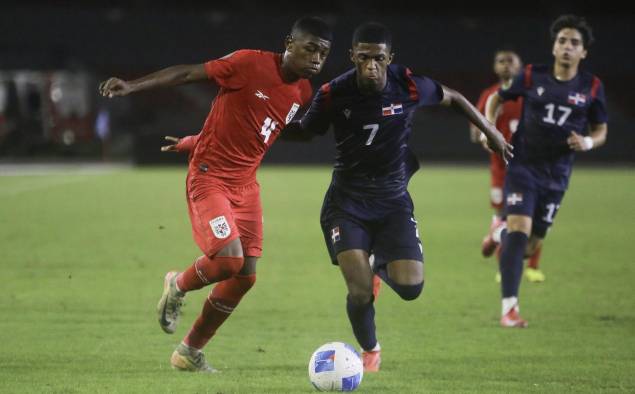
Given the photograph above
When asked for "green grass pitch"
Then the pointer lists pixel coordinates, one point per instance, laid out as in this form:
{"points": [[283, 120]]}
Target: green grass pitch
{"points": [[82, 258]]}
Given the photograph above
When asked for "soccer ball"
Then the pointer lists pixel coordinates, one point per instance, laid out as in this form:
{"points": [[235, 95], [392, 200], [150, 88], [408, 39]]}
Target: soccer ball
{"points": [[336, 366]]}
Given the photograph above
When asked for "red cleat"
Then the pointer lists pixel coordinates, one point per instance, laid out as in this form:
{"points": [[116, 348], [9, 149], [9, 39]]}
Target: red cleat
{"points": [[513, 320], [376, 285], [371, 361]]}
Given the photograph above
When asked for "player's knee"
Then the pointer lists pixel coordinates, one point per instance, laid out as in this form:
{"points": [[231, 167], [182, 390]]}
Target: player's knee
{"points": [[229, 265], [408, 292], [360, 296]]}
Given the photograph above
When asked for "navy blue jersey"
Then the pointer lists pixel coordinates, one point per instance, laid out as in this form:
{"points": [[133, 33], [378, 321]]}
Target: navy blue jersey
{"points": [[371, 131], [552, 109]]}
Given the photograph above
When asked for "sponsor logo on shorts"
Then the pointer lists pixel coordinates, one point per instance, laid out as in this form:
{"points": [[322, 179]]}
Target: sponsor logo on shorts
{"points": [[515, 199], [220, 227], [335, 234]]}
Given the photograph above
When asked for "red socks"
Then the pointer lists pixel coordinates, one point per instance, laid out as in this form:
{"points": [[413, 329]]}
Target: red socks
{"points": [[205, 271], [219, 305], [534, 259]]}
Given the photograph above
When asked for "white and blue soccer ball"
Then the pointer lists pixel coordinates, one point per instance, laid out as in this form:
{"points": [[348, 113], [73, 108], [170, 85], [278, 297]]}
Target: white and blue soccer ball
{"points": [[336, 366]]}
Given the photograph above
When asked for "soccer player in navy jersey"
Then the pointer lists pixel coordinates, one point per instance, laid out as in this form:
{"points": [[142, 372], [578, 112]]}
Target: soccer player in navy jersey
{"points": [[564, 111], [367, 209]]}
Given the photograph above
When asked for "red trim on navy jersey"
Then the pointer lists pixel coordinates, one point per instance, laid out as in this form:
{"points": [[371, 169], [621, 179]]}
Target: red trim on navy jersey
{"points": [[412, 86], [528, 76], [326, 92], [595, 85]]}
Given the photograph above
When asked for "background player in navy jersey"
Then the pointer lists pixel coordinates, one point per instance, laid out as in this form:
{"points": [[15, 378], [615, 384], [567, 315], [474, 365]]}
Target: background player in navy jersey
{"points": [[507, 65], [564, 111], [367, 208]]}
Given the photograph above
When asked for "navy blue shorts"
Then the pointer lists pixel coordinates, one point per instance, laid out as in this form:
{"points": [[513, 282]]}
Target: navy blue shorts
{"points": [[385, 228], [528, 194]]}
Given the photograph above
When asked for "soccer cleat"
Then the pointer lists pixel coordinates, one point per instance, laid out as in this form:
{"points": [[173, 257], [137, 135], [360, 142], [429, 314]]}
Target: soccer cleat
{"points": [[185, 358], [492, 239], [371, 360], [376, 286], [534, 275], [169, 306], [512, 319]]}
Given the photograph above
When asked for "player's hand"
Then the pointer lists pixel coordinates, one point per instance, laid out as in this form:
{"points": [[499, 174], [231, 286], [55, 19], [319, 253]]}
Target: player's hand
{"points": [[171, 147], [114, 87], [496, 143], [579, 143]]}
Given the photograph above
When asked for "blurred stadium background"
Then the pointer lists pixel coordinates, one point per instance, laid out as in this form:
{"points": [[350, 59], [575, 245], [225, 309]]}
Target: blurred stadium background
{"points": [[53, 54]]}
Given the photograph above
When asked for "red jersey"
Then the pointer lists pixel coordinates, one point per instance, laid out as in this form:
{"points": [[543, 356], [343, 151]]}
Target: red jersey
{"points": [[508, 115], [247, 115]]}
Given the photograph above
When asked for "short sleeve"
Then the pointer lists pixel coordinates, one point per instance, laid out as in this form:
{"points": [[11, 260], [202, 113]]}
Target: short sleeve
{"points": [[518, 86], [424, 90], [482, 100], [597, 110], [230, 71], [317, 119]]}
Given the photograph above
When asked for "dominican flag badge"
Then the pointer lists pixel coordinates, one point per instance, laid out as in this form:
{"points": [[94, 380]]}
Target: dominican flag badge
{"points": [[578, 99], [335, 234], [392, 109]]}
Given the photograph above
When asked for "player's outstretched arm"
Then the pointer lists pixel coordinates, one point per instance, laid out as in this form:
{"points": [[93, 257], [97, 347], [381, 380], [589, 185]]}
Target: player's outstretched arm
{"points": [[171, 76], [495, 139], [184, 144], [596, 138]]}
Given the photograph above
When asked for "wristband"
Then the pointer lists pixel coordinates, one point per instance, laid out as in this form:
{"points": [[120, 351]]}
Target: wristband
{"points": [[587, 143]]}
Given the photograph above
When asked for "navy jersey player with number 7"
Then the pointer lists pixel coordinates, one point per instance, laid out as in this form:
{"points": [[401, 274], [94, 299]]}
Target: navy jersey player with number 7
{"points": [[367, 209], [564, 111]]}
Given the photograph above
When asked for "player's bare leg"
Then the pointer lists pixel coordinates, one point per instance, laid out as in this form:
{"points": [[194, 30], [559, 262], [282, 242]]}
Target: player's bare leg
{"points": [[359, 304], [225, 264], [405, 277], [514, 245]]}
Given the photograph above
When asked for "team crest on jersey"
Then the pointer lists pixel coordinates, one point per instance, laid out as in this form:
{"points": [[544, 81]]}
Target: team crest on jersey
{"points": [[540, 90], [392, 109], [220, 227], [292, 112], [577, 99], [347, 113], [515, 199], [335, 234]]}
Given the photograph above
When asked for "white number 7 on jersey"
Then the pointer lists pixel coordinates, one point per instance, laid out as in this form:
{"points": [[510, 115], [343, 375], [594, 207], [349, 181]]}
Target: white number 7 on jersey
{"points": [[267, 127], [373, 132]]}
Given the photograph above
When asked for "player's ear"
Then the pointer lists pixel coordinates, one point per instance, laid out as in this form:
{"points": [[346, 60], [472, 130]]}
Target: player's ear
{"points": [[584, 52], [288, 42], [351, 54], [390, 57]]}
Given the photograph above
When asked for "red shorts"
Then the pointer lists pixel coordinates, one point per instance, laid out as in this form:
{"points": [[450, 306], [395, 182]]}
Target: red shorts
{"points": [[497, 169], [219, 214]]}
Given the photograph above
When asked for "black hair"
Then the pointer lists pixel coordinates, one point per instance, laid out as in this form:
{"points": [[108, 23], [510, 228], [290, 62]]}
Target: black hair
{"points": [[573, 22], [374, 33], [314, 26]]}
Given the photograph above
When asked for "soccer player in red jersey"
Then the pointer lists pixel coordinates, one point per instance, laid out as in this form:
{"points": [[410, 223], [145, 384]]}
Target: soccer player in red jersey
{"points": [[259, 93], [507, 65]]}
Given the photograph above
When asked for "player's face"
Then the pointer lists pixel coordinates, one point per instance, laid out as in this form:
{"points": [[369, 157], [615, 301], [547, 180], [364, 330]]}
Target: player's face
{"points": [[506, 65], [568, 48], [305, 54], [371, 62]]}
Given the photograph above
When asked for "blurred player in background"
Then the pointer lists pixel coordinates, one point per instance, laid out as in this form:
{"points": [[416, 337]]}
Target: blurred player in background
{"points": [[564, 111], [507, 65], [259, 93], [367, 208]]}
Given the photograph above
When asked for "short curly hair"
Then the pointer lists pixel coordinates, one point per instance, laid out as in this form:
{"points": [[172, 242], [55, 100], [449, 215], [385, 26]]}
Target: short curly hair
{"points": [[573, 22]]}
